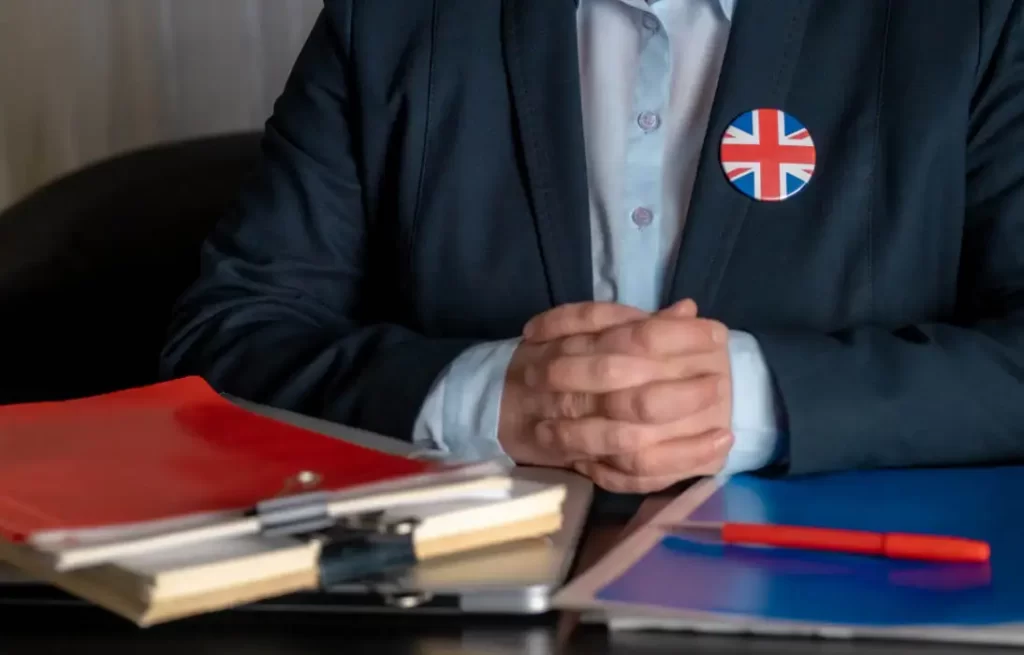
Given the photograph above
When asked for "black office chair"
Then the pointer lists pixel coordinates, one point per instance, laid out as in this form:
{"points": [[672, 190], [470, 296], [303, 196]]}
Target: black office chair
{"points": [[91, 264]]}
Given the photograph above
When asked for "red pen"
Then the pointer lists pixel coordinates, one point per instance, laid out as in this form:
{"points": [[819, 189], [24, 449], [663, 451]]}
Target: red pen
{"points": [[897, 545]]}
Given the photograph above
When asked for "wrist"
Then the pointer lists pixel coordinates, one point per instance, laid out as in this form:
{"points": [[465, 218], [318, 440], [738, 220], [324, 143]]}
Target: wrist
{"points": [[514, 417]]}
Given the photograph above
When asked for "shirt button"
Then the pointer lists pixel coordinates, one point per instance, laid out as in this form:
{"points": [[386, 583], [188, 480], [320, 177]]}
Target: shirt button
{"points": [[650, 22], [642, 217], [648, 121]]}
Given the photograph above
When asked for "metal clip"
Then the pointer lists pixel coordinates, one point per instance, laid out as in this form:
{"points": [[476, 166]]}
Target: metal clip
{"points": [[297, 511], [293, 515], [301, 482], [407, 600], [372, 524]]}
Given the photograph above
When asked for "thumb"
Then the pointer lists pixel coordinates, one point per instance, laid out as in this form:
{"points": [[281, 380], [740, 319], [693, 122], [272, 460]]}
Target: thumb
{"points": [[685, 308], [579, 318]]}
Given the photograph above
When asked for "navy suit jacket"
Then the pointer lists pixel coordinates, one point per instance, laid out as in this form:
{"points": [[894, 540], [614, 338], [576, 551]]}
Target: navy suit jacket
{"points": [[423, 188]]}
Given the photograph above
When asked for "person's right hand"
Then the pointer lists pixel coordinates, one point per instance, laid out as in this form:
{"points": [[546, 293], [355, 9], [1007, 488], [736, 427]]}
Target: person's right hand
{"points": [[523, 407]]}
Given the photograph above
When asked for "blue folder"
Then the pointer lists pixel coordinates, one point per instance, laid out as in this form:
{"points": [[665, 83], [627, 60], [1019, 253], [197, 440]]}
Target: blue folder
{"points": [[841, 589]]}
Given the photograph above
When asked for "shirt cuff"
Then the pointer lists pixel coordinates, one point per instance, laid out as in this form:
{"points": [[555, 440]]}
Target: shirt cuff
{"points": [[758, 440], [459, 417]]}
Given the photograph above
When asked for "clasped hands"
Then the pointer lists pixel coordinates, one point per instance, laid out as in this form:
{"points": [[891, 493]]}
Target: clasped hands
{"points": [[635, 401]]}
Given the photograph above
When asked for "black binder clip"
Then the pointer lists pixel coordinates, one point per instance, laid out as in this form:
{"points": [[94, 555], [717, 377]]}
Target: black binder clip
{"points": [[365, 546], [353, 547]]}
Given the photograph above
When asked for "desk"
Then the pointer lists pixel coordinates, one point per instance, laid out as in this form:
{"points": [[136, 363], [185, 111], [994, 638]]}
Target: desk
{"points": [[38, 631], [97, 634]]}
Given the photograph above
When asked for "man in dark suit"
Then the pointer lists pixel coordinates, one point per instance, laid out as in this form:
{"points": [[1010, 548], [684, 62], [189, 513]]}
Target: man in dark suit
{"points": [[648, 240]]}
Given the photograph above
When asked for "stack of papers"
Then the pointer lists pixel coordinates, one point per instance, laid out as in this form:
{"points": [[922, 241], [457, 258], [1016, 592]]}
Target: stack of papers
{"points": [[168, 501]]}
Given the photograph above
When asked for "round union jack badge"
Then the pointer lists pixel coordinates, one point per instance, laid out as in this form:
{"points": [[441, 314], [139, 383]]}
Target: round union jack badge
{"points": [[767, 154]]}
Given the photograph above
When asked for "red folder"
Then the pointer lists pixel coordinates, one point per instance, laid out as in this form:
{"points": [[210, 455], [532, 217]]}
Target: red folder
{"points": [[161, 451]]}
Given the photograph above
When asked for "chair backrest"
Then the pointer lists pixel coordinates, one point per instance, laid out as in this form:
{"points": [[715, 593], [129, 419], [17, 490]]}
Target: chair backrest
{"points": [[91, 265]]}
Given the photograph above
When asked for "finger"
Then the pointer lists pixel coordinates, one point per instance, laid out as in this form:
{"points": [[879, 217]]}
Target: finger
{"points": [[596, 436], [684, 367], [595, 373], [563, 406], [685, 308], [576, 318], [680, 456], [609, 478], [615, 481], [712, 417], [577, 344], [659, 336], [664, 402]]}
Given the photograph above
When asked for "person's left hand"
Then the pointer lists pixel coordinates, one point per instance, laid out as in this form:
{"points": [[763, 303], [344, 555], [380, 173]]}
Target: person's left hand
{"points": [[646, 433]]}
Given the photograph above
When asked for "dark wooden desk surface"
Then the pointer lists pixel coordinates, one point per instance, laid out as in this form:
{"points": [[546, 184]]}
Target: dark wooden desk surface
{"points": [[89, 631], [37, 631]]}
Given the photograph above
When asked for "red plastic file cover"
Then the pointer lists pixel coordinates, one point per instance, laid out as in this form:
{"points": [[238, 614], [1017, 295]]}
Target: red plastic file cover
{"points": [[157, 452]]}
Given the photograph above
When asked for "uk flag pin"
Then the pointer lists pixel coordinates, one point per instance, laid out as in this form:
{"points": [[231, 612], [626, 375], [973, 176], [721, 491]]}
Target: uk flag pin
{"points": [[767, 154]]}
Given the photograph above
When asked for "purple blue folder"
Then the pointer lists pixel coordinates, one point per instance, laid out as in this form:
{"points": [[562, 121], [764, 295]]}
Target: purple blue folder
{"points": [[695, 577]]}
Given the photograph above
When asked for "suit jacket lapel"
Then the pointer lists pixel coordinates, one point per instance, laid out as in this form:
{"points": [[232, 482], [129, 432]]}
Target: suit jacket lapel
{"points": [[760, 58], [539, 40]]}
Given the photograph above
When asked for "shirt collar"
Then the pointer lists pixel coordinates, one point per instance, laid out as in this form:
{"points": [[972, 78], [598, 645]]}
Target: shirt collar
{"points": [[728, 7]]}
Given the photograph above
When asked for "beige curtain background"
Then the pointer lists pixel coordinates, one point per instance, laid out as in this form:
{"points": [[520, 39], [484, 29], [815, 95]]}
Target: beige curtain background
{"points": [[81, 80]]}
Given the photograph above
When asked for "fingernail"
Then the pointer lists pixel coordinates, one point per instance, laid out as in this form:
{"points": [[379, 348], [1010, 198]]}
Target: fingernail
{"points": [[723, 441], [719, 334], [528, 330]]}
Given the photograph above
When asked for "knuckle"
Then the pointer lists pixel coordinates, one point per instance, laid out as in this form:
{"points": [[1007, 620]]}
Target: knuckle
{"points": [[712, 449], [709, 464], [550, 372], [701, 394], [620, 438], [547, 406], [615, 339], [542, 325], [697, 395], [645, 406], [572, 405], [613, 405], [705, 453], [632, 485], [586, 314], [544, 435], [605, 481], [643, 485], [646, 334], [613, 483], [575, 345], [604, 369], [562, 437], [716, 330], [715, 387], [645, 461]]}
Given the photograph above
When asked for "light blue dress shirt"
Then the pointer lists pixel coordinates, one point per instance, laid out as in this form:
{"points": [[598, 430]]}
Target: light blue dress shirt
{"points": [[648, 74]]}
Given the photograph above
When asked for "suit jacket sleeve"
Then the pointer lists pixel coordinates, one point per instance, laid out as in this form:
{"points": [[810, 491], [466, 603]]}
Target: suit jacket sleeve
{"points": [[947, 392], [282, 312]]}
